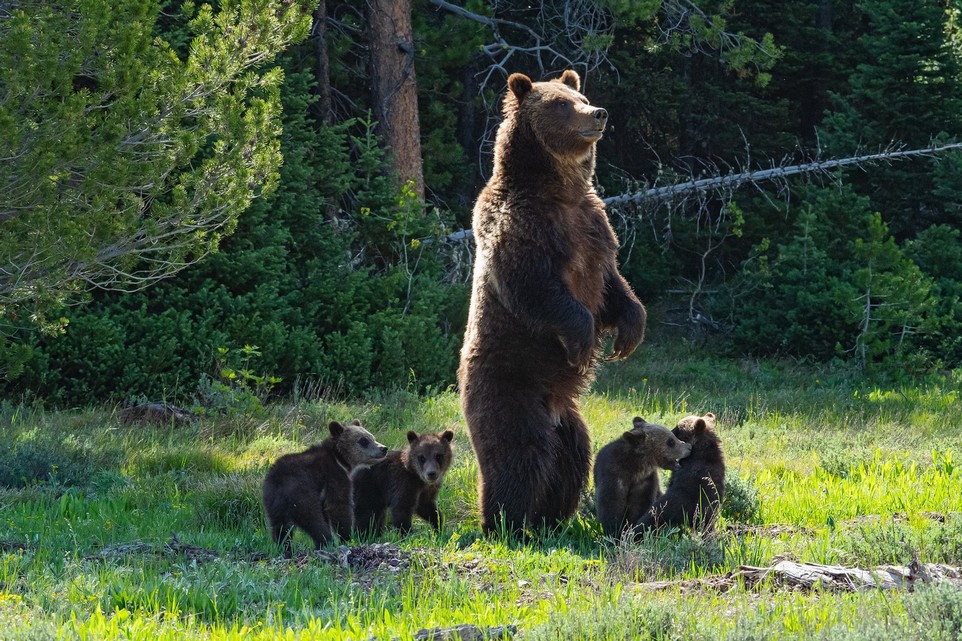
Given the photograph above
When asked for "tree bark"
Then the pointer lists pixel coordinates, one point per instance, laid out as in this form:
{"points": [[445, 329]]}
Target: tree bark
{"points": [[323, 110], [394, 87]]}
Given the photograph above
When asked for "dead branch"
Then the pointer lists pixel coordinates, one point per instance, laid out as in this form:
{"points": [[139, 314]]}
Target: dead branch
{"points": [[810, 576], [733, 181]]}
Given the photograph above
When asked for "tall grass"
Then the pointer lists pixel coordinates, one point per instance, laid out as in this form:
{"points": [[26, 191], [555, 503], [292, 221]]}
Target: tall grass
{"points": [[157, 532]]}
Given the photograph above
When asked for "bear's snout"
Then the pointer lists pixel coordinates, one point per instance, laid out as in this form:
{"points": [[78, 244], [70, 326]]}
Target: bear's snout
{"points": [[601, 115]]}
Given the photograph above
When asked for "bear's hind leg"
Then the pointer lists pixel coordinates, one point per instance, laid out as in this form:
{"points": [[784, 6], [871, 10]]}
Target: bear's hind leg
{"points": [[513, 490], [570, 472]]}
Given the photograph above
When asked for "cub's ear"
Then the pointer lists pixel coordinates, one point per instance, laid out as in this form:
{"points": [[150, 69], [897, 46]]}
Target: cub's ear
{"points": [[700, 426], [336, 428], [639, 422], [570, 77], [634, 436], [412, 436], [356, 422], [447, 436], [520, 85]]}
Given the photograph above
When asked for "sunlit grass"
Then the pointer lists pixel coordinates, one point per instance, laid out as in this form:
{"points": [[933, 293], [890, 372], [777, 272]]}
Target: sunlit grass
{"points": [[826, 470]]}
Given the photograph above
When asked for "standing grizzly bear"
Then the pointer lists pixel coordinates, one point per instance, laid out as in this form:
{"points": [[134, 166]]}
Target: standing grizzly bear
{"points": [[696, 490], [405, 482], [312, 489], [626, 473], [545, 289]]}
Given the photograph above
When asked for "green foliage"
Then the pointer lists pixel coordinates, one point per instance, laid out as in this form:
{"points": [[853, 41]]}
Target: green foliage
{"points": [[332, 277], [235, 388], [624, 620], [904, 89], [122, 162], [840, 285], [742, 503], [41, 461], [938, 252]]}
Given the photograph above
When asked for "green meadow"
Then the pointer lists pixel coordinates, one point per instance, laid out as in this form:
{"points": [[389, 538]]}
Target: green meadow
{"points": [[157, 532]]}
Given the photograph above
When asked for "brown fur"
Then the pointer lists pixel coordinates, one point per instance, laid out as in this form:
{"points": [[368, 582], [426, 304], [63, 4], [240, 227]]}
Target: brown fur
{"points": [[545, 288], [626, 473], [312, 489], [696, 490], [405, 483]]}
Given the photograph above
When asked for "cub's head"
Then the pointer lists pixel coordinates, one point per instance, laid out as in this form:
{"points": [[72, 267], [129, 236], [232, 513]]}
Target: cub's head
{"points": [[355, 444], [560, 117], [428, 455], [656, 444], [699, 432]]}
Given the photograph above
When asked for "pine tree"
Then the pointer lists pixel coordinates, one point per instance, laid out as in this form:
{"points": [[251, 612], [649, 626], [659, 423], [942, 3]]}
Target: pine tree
{"points": [[905, 90]]}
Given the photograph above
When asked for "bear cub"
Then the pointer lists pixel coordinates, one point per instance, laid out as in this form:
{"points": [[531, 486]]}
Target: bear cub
{"points": [[696, 490], [626, 473], [405, 483], [312, 489]]}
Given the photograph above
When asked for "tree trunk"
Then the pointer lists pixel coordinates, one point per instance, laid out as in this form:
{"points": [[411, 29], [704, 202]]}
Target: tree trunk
{"points": [[323, 110], [394, 87]]}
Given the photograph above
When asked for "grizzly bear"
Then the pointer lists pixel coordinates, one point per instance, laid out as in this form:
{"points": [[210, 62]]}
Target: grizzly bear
{"points": [[312, 489], [545, 290], [405, 483], [626, 473], [696, 490]]}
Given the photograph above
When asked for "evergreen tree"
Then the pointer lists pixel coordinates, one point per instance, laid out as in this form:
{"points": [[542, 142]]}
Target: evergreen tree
{"points": [[349, 303], [905, 89]]}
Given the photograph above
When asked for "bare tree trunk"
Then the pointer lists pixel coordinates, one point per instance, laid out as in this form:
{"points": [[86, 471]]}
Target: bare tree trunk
{"points": [[394, 87], [323, 110]]}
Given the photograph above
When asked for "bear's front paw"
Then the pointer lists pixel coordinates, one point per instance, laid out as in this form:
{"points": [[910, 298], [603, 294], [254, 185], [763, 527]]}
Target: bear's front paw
{"points": [[631, 331], [580, 346]]}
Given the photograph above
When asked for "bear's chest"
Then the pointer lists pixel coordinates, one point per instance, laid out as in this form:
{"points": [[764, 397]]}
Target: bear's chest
{"points": [[588, 253]]}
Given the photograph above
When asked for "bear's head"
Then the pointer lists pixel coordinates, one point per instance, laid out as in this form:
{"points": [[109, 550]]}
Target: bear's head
{"points": [[428, 455], [355, 445], [656, 443], [557, 114], [699, 432]]}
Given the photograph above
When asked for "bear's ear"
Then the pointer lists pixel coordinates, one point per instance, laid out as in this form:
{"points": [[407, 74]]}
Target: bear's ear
{"points": [[634, 436], [639, 422], [700, 426], [520, 85], [412, 436], [447, 436], [570, 77], [336, 428], [356, 422]]}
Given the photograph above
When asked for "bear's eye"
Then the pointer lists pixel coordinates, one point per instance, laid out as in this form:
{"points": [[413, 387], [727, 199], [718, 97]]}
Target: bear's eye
{"points": [[437, 457], [671, 442], [364, 442], [562, 104], [422, 459]]}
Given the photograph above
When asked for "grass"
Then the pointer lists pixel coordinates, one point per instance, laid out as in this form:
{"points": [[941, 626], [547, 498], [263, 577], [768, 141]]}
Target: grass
{"points": [[110, 532]]}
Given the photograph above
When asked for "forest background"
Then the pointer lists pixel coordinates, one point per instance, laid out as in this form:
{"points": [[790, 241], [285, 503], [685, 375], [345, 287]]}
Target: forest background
{"points": [[351, 271]]}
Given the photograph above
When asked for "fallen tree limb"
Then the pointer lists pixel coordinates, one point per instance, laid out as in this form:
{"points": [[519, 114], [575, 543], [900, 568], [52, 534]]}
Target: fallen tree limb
{"points": [[730, 182], [811, 576]]}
